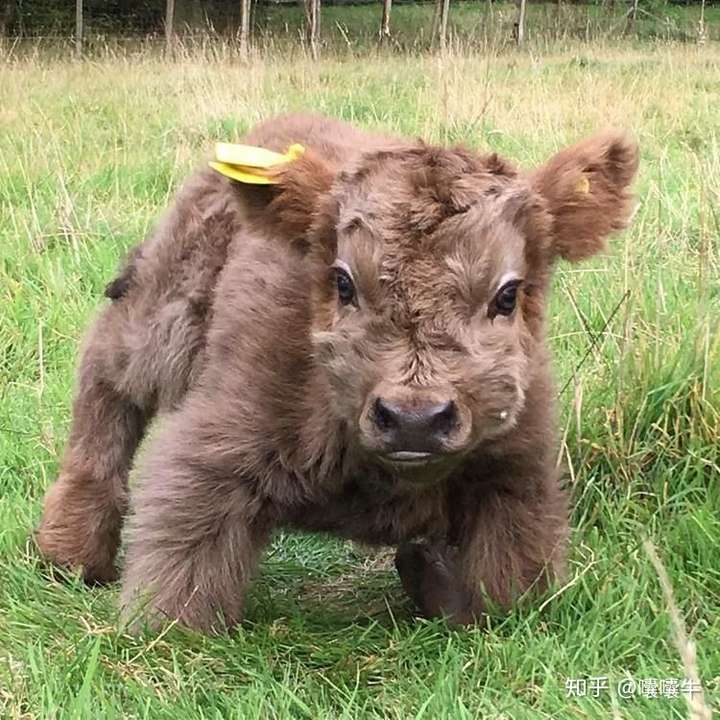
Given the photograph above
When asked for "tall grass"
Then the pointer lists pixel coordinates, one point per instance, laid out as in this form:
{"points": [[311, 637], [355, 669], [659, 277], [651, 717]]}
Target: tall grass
{"points": [[90, 153]]}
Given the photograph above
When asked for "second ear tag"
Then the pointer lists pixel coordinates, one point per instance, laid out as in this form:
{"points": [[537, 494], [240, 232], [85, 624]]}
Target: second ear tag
{"points": [[582, 186]]}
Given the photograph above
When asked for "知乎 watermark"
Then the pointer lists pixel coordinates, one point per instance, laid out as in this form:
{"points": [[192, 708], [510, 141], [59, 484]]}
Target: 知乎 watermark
{"points": [[627, 688]]}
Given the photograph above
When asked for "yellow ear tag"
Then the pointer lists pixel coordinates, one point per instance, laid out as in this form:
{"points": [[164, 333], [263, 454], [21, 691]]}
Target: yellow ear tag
{"points": [[582, 186], [252, 165]]}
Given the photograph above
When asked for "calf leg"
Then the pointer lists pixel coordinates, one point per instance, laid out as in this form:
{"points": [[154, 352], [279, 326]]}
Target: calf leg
{"points": [[83, 511], [431, 578], [508, 546], [195, 531]]}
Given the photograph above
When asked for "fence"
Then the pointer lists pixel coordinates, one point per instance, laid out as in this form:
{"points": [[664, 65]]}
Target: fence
{"points": [[356, 25]]}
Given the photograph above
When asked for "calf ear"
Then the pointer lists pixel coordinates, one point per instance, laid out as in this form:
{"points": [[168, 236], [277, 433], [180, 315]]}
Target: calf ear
{"points": [[292, 201], [586, 188], [300, 195]]}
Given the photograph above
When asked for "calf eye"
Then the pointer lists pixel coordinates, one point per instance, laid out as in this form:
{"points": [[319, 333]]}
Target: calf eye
{"points": [[505, 300], [345, 287]]}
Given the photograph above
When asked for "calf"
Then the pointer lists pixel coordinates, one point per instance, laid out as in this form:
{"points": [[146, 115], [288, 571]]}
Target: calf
{"points": [[358, 349]]}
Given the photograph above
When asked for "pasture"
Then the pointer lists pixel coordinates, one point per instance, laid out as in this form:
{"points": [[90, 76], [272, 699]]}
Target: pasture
{"points": [[90, 153]]}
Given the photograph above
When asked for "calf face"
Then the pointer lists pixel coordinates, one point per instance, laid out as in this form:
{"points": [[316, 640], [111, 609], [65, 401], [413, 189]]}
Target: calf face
{"points": [[431, 269]]}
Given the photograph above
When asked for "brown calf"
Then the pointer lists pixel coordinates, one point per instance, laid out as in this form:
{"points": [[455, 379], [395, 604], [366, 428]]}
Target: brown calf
{"points": [[358, 349]]}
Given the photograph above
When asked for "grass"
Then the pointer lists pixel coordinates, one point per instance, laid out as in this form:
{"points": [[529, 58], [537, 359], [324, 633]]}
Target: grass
{"points": [[89, 155]]}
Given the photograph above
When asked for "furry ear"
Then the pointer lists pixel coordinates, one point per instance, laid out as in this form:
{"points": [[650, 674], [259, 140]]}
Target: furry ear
{"points": [[586, 188], [299, 194], [289, 205]]}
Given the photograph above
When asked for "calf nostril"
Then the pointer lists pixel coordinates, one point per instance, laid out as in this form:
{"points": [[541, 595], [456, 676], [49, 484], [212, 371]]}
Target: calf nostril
{"points": [[443, 417], [385, 416]]}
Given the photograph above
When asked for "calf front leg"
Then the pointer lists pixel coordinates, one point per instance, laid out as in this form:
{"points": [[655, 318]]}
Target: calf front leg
{"points": [[194, 534], [431, 578], [508, 545]]}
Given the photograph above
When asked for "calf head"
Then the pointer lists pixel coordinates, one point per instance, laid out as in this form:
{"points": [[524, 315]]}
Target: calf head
{"points": [[430, 277]]}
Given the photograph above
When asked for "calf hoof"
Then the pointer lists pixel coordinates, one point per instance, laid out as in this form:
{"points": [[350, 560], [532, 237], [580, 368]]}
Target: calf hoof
{"points": [[77, 536], [430, 578]]}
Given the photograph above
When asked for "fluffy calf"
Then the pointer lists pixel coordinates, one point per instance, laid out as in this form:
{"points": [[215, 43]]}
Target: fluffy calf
{"points": [[359, 350]]}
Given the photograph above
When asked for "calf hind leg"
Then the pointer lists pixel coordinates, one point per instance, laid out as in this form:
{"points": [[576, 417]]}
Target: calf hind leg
{"points": [[84, 508]]}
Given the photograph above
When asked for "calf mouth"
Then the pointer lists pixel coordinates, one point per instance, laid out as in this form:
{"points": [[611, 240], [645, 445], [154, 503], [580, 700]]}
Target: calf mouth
{"points": [[419, 467], [409, 458]]}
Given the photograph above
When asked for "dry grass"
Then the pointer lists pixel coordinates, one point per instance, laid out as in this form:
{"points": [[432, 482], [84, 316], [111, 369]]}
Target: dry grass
{"points": [[698, 708]]}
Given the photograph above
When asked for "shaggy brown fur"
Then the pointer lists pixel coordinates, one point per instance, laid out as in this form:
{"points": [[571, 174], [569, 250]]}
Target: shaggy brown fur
{"points": [[356, 350]]}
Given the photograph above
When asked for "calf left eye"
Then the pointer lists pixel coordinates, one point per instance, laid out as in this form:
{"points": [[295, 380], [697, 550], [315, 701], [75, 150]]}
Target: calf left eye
{"points": [[505, 299], [345, 287]]}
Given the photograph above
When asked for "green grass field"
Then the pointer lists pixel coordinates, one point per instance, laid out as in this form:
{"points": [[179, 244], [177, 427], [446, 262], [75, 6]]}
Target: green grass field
{"points": [[89, 155]]}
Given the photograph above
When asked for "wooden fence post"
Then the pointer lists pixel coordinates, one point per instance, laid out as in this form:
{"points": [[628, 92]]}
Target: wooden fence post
{"points": [[78, 28], [169, 24], [702, 31], [312, 11], [520, 23], [385, 24], [245, 7], [444, 10]]}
